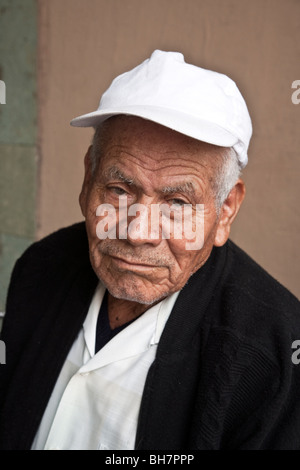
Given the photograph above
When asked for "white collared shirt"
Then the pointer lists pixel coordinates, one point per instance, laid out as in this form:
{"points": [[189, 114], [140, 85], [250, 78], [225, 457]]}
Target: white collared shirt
{"points": [[96, 399]]}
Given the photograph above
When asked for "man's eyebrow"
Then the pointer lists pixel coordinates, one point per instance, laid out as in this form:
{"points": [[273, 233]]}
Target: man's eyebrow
{"points": [[115, 173], [186, 187]]}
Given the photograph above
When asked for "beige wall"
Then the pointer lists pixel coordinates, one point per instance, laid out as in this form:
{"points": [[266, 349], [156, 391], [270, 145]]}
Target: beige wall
{"points": [[85, 44]]}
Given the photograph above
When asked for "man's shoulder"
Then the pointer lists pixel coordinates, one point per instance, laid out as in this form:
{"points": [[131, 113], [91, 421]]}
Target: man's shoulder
{"points": [[251, 279], [66, 242], [255, 298], [50, 266], [251, 311]]}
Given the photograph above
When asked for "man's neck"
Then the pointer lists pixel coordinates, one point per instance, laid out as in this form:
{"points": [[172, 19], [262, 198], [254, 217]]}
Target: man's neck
{"points": [[122, 311]]}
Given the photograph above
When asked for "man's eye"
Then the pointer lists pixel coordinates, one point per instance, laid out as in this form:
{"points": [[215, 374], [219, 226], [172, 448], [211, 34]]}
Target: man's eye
{"points": [[177, 202], [117, 190]]}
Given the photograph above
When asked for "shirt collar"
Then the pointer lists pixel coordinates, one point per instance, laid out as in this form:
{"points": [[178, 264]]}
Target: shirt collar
{"points": [[137, 337]]}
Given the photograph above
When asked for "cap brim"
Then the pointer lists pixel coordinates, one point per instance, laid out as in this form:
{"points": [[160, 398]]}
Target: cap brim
{"points": [[200, 129]]}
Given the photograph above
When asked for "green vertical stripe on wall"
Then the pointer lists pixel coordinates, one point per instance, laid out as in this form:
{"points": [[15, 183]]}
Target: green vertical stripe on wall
{"points": [[18, 133]]}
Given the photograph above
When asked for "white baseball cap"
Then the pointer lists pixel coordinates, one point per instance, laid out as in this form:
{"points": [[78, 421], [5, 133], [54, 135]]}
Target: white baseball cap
{"points": [[197, 102]]}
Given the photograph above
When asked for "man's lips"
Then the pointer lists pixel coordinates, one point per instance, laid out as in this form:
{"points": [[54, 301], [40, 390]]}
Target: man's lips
{"points": [[132, 264]]}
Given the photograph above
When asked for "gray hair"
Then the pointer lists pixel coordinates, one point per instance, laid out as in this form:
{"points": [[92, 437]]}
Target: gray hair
{"points": [[228, 170]]}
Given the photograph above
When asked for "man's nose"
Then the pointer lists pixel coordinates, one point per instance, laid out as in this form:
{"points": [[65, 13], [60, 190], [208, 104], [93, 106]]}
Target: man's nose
{"points": [[141, 228]]}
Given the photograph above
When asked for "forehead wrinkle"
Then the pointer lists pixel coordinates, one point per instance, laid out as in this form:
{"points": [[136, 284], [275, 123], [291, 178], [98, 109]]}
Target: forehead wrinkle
{"points": [[164, 157]]}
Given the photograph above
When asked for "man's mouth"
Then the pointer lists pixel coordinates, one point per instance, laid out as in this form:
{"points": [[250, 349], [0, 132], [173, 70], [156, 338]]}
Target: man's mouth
{"points": [[133, 265]]}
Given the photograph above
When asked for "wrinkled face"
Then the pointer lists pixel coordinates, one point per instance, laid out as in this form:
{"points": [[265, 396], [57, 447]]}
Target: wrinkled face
{"points": [[147, 164]]}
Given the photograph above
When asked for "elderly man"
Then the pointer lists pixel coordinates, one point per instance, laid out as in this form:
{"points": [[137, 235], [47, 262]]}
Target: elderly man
{"points": [[145, 327]]}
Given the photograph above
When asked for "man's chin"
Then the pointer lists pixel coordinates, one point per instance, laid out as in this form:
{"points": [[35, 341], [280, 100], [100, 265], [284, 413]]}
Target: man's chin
{"points": [[137, 295]]}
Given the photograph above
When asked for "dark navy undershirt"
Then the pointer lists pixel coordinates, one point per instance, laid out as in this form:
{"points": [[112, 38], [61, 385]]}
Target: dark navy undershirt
{"points": [[103, 331]]}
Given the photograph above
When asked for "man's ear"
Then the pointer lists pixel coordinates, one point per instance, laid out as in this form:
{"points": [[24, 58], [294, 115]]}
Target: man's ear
{"points": [[229, 211], [86, 181]]}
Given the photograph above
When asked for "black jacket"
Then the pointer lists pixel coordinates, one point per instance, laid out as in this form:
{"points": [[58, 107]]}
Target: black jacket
{"points": [[223, 377]]}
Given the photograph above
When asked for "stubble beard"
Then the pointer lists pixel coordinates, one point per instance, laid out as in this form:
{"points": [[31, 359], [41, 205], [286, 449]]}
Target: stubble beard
{"points": [[134, 293]]}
